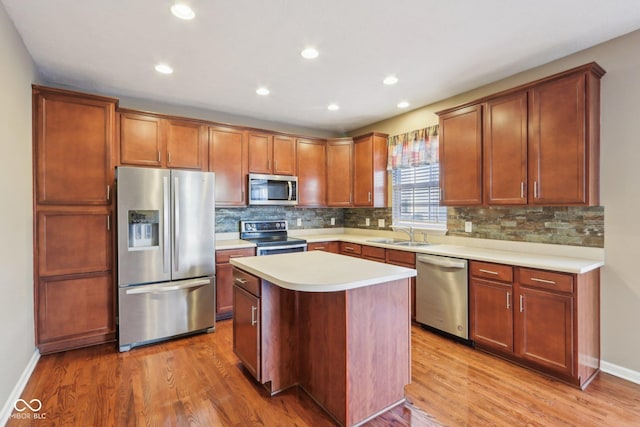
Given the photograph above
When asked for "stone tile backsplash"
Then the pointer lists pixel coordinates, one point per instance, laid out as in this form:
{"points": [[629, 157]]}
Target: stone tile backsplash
{"points": [[575, 226], [356, 218], [228, 219]]}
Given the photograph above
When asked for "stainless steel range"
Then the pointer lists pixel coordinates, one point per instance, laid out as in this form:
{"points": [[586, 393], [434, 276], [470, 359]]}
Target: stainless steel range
{"points": [[271, 237]]}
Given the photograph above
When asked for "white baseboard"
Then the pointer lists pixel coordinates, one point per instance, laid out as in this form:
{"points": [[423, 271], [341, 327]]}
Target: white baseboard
{"points": [[621, 372], [7, 408]]}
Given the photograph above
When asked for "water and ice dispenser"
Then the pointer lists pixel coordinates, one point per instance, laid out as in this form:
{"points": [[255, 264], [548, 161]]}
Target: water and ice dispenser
{"points": [[144, 228]]}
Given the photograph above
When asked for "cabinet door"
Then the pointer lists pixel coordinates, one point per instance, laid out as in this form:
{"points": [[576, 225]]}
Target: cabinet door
{"points": [[228, 160], [558, 143], [544, 325], [140, 140], [311, 171], [461, 157], [260, 153], [224, 290], [73, 149], [505, 150], [186, 144], [491, 314], [333, 247], [74, 242], [339, 172], [74, 311], [284, 155], [246, 330]]}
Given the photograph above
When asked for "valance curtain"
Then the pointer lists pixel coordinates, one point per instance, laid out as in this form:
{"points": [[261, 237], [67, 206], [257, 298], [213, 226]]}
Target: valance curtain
{"points": [[415, 148]]}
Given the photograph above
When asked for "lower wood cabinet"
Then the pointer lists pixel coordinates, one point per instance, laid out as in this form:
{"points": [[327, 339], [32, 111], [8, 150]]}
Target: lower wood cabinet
{"points": [[246, 330], [546, 320], [333, 247], [224, 280], [404, 259], [351, 249]]}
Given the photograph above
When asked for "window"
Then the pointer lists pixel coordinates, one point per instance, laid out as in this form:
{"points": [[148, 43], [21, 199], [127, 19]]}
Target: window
{"points": [[416, 197]]}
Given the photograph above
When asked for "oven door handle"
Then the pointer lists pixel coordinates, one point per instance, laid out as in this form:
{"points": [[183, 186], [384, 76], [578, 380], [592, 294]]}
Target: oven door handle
{"points": [[275, 248]]}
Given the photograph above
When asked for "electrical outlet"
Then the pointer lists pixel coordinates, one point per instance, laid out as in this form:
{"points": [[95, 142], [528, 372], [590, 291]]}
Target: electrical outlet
{"points": [[333, 221], [299, 222], [367, 222], [381, 223], [468, 226]]}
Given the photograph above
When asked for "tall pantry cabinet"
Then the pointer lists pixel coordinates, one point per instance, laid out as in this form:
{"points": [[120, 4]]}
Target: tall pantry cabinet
{"points": [[73, 221]]}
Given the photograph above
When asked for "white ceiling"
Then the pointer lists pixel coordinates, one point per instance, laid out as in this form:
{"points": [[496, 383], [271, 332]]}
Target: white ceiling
{"points": [[437, 48]]}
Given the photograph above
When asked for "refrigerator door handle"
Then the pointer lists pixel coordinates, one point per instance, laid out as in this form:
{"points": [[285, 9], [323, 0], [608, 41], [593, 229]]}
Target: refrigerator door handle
{"points": [[176, 224], [160, 289], [167, 241]]}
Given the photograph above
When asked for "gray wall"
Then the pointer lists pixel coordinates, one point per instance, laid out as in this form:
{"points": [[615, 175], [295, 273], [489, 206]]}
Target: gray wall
{"points": [[619, 177], [16, 259]]}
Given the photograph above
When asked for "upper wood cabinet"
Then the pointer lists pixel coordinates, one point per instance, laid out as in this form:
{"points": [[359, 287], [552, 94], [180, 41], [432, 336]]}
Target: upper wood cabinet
{"points": [[461, 157], [72, 130], [564, 139], [149, 140], [311, 170], [339, 172], [505, 150], [272, 154], [370, 170], [228, 159]]}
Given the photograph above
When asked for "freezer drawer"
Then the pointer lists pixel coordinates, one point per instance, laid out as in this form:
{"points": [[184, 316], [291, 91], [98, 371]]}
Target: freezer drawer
{"points": [[150, 313]]}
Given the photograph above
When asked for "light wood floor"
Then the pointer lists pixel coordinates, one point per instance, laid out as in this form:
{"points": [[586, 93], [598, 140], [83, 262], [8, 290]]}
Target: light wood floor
{"points": [[197, 381]]}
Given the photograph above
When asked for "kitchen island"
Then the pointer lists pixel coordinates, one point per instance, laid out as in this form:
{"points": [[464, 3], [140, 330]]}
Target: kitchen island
{"points": [[337, 326]]}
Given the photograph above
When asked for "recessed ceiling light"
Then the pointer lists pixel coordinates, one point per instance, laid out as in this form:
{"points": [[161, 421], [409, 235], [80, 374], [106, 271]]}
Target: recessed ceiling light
{"points": [[262, 91], [333, 107], [182, 11], [403, 104], [390, 80], [309, 53], [164, 69]]}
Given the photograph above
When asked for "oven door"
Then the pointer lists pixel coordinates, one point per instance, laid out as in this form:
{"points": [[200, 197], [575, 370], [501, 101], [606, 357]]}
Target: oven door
{"points": [[284, 249]]}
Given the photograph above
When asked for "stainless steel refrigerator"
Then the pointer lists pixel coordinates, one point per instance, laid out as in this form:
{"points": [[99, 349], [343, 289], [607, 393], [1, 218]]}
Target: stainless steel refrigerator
{"points": [[166, 254]]}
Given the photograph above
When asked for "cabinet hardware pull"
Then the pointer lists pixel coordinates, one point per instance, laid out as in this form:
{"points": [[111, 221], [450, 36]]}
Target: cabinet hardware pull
{"points": [[489, 271], [522, 189], [239, 280], [369, 196], [521, 303], [159, 157], [268, 164], [275, 165], [108, 222], [236, 256], [349, 248], [508, 300], [108, 193], [550, 282], [168, 157], [535, 189], [254, 309]]}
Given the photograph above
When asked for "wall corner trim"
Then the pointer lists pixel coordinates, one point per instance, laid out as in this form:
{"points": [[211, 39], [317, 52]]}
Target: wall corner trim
{"points": [[7, 408], [620, 372]]}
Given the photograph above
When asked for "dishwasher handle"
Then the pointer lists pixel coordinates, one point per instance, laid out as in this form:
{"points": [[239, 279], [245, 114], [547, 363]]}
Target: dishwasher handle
{"points": [[443, 261]]}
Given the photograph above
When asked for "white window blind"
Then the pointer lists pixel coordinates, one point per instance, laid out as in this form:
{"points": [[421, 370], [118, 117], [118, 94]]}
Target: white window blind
{"points": [[416, 197]]}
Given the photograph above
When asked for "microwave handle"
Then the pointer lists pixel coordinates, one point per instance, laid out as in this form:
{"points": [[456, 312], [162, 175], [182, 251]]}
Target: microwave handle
{"points": [[290, 190]]}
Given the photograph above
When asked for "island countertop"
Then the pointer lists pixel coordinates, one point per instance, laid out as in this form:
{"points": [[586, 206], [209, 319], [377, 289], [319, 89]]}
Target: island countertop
{"points": [[318, 271]]}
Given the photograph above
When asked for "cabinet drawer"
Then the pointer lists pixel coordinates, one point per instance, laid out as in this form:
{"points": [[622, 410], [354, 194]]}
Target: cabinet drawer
{"points": [[324, 246], [373, 252], [246, 281], [487, 270], [350, 248], [224, 255], [402, 258], [546, 280]]}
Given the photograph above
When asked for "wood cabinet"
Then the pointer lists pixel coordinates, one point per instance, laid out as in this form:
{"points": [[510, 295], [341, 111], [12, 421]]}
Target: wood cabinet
{"points": [[370, 170], [272, 154], [246, 329], [351, 249], [73, 213], [373, 253], [151, 140], [311, 169], [339, 172], [461, 157], [333, 247], [404, 259], [540, 144], [224, 279], [505, 150], [542, 319], [228, 159]]}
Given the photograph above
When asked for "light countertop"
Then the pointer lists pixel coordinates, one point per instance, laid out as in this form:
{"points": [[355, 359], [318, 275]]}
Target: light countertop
{"points": [[543, 261], [318, 271]]}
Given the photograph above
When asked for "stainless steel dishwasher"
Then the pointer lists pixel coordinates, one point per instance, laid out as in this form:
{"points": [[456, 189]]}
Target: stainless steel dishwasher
{"points": [[442, 296]]}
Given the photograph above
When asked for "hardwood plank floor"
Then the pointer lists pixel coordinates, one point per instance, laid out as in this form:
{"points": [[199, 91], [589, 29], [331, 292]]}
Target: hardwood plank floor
{"points": [[198, 381]]}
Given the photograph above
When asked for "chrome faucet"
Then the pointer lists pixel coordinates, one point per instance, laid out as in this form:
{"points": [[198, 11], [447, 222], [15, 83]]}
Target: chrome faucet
{"points": [[408, 230]]}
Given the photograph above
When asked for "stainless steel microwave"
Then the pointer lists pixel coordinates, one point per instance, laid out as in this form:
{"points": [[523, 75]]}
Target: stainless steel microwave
{"points": [[273, 189]]}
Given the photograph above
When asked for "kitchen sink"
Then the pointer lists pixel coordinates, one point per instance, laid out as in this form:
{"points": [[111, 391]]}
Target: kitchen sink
{"points": [[399, 242]]}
